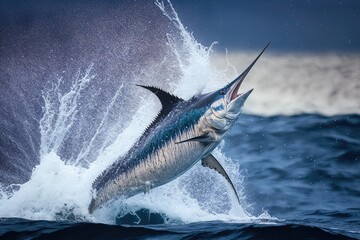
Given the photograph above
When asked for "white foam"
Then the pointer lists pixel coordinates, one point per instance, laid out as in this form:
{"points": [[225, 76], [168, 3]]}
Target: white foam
{"points": [[53, 188], [59, 190], [288, 84]]}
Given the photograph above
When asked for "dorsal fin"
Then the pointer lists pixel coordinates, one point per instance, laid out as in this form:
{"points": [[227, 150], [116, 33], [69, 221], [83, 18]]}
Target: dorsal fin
{"points": [[168, 101]]}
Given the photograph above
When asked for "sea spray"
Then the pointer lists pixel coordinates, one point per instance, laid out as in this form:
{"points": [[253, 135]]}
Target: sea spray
{"points": [[193, 59], [60, 111], [60, 186]]}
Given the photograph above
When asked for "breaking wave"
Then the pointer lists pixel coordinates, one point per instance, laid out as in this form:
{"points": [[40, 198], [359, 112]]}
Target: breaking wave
{"points": [[69, 110], [88, 120]]}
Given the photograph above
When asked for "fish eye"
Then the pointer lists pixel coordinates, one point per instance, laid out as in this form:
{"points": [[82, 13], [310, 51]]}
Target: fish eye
{"points": [[222, 92]]}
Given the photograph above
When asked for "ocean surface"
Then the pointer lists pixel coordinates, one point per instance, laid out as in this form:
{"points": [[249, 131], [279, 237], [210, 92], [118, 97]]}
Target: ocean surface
{"points": [[300, 181], [69, 108]]}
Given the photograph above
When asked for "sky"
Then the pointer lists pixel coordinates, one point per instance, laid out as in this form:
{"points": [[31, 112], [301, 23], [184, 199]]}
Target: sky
{"points": [[291, 25]]}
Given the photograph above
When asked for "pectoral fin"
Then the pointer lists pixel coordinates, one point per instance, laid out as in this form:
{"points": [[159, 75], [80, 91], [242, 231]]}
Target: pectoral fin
{"points": [[211, 162], [203, 138]]}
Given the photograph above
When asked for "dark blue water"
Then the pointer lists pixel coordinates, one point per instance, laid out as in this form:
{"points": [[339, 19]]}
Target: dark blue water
{"points": [[303, 170], [209, 230]]}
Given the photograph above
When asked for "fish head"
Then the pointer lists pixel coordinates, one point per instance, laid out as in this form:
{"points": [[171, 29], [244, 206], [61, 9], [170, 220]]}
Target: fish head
{"points": [[224, 105], [230, 102]]}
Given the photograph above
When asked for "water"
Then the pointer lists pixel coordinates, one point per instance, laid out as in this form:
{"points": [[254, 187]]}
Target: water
{"points": [[296, 169]]}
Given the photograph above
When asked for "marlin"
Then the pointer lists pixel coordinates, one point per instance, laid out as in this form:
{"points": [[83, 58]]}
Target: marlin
{"points": [[182, 134]]}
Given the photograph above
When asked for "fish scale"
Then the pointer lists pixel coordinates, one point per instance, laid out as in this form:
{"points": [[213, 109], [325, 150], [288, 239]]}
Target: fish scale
{"points": [[183, 133]]}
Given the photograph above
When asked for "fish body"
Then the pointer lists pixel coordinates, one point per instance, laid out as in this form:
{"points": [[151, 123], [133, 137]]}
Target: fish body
{"points": [[183, 133]]}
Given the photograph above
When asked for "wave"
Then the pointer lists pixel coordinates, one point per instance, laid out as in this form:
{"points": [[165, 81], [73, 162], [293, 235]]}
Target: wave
{"points": [[291, 84], [18, 228], [88, 119], [62, 126]]}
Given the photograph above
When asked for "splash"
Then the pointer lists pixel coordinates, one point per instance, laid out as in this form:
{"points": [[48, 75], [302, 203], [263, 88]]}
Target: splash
{"points": [[60, 186]]}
